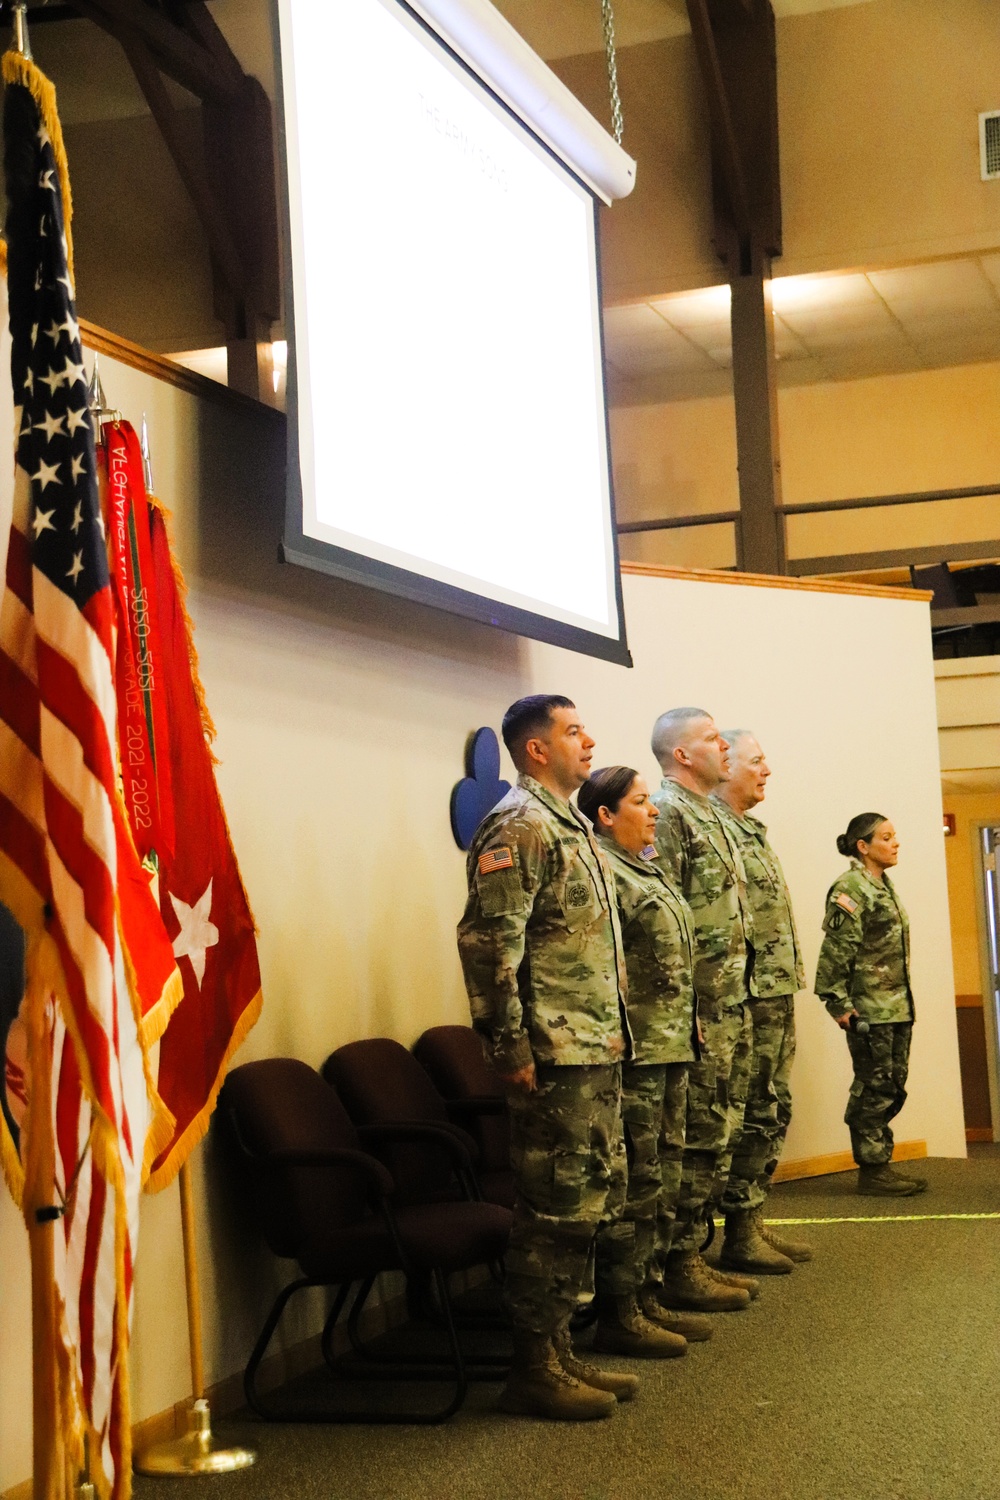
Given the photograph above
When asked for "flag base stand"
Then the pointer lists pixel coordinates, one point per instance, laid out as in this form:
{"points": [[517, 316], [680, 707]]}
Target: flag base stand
{"points": [[195, 1452]]}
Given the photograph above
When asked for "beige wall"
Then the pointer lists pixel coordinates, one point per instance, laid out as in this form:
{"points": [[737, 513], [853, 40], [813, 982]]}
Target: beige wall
{"points": [[890, 434], [342, 715], [779, 661]]}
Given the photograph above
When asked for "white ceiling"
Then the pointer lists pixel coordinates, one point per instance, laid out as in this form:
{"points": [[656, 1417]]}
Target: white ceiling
{"points": [[832, 327]]}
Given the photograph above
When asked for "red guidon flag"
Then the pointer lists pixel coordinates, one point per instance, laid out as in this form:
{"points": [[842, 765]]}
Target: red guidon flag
{"points": [[175, 812], [100, 969]]}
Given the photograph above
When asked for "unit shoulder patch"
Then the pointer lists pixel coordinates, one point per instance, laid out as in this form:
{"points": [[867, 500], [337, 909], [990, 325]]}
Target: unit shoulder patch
{"points": [[578, 895], [493, 860]]}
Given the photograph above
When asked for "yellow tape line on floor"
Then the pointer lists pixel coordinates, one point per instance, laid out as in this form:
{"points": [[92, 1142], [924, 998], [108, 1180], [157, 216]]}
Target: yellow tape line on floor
{"points": [[884, 1219]]}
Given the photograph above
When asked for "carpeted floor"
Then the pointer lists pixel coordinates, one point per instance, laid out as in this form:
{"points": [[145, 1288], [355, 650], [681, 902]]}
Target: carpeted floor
{"points": [[871, 1374]]}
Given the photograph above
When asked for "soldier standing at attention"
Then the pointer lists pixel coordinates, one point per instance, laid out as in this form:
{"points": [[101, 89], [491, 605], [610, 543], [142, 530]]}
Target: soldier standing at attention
{"points": [[658, 935], [701, 859], [863, 978], [750, 1245], [541, 951]]}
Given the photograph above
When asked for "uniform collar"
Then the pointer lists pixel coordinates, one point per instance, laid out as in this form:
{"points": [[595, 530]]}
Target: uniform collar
{"points": [[696, 801], [885, 884], [744, 820], [563, 810], [610, 846]]}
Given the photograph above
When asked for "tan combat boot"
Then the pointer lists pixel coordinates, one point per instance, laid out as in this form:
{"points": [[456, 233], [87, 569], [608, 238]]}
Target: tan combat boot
{"points": [[538, 1386], [798, 1250], [733, 1278], [689, 1286], [691, 1326], [622, 1329], [883, 1181], [745, 1248], [623, 1387]]}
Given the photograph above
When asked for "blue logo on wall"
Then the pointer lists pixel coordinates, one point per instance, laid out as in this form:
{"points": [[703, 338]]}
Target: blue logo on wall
{"points": [[480, 790]]}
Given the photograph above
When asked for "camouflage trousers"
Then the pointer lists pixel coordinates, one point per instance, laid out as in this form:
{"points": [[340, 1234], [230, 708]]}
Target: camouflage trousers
{"points": [[881, 1062], [716, 1094], [570, 1173], [757, 1147], [654, 1114]]}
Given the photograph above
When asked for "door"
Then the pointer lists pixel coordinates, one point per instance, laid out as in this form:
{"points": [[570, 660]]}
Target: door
{"points": [[988, 887]]}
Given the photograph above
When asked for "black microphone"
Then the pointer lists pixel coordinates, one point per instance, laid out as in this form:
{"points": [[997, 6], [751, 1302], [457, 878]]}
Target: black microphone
{"points": [[859, 1025]]}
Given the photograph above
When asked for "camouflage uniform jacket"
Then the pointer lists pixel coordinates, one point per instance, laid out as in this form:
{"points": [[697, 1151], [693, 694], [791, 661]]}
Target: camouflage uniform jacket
{"points": [[777, 964], [658, 935], [702, 860], [540, 943], [864, 963]]}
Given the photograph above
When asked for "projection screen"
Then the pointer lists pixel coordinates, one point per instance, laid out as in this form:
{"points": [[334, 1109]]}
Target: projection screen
{"points": [[447, 416]]}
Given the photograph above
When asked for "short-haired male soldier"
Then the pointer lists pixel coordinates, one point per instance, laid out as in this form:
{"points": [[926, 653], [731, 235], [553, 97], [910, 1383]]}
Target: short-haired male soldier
{"points": [[750, 1244], [542, 955], [702, 859]]}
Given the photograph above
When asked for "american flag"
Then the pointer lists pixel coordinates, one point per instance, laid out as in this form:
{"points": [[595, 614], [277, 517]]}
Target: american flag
{"points": [[60, 827]]}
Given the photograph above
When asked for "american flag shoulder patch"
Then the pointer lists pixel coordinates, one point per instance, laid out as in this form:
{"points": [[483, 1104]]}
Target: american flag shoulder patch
{"points": [[844, 900], [496, 859]]}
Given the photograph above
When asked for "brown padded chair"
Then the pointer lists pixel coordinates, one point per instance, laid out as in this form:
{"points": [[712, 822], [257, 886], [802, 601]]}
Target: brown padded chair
{"points": [[321, 1200], [386, 1091], [456, 1063]]}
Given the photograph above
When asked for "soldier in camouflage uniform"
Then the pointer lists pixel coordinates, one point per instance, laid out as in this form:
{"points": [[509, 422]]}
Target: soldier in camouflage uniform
{"points": [[750, 1245], [701, 859], [658, 937], [863, 978], [542, 956]]}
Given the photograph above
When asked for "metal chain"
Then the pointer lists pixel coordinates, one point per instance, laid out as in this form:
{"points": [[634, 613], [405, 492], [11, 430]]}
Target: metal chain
{"points": [[608, 21]]}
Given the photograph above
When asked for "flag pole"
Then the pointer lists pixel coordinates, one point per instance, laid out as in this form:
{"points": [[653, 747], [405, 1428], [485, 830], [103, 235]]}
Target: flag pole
{"points": [[195, 1452], [48, 1454], [49, 1478]]}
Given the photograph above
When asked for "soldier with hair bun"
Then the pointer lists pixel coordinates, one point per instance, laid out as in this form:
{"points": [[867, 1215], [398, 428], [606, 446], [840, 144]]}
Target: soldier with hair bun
{"points": [[863, 978], [658, 938]]}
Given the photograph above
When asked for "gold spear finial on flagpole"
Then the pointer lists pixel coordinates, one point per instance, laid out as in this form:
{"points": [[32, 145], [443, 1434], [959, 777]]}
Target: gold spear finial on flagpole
{"points": [[20, 17]]}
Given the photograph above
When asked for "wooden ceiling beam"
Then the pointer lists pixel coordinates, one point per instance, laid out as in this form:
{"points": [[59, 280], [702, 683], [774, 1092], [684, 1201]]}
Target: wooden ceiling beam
{"points": [[192, 173], [176, 53], [725, 146]]}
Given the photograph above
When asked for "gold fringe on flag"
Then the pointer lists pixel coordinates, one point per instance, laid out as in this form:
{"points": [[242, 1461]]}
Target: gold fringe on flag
{"points": [[20, 69]]}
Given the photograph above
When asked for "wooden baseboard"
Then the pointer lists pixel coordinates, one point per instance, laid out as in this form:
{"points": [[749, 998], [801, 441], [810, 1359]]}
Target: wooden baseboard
{"points": [[226, 1396], [979, 1133], [841, 1161]]}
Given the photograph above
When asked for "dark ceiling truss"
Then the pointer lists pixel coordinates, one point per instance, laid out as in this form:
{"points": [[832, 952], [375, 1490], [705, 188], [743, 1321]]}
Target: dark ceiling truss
{"points": [[734, 42], [231, 180]]}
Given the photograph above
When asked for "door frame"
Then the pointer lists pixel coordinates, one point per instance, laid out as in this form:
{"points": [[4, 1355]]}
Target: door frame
{"points": [[992, 1020]]}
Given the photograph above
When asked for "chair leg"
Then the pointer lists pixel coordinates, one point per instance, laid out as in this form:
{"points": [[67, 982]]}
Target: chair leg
{"points": [[254, 1399], [357, 1306], [461, 1378], [313, 1414], [326, 1341]]}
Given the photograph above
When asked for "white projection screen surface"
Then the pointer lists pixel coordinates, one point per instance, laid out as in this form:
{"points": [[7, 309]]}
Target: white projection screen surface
{"points": [[447, 416]]}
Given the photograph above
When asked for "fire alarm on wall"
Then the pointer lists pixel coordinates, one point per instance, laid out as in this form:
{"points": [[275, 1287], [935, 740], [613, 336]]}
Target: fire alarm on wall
{"points": [[989, 144], [949, 824]]}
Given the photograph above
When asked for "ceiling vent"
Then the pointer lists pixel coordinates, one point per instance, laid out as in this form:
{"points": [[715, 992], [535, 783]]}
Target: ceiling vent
{"points": [[989, 144]]}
